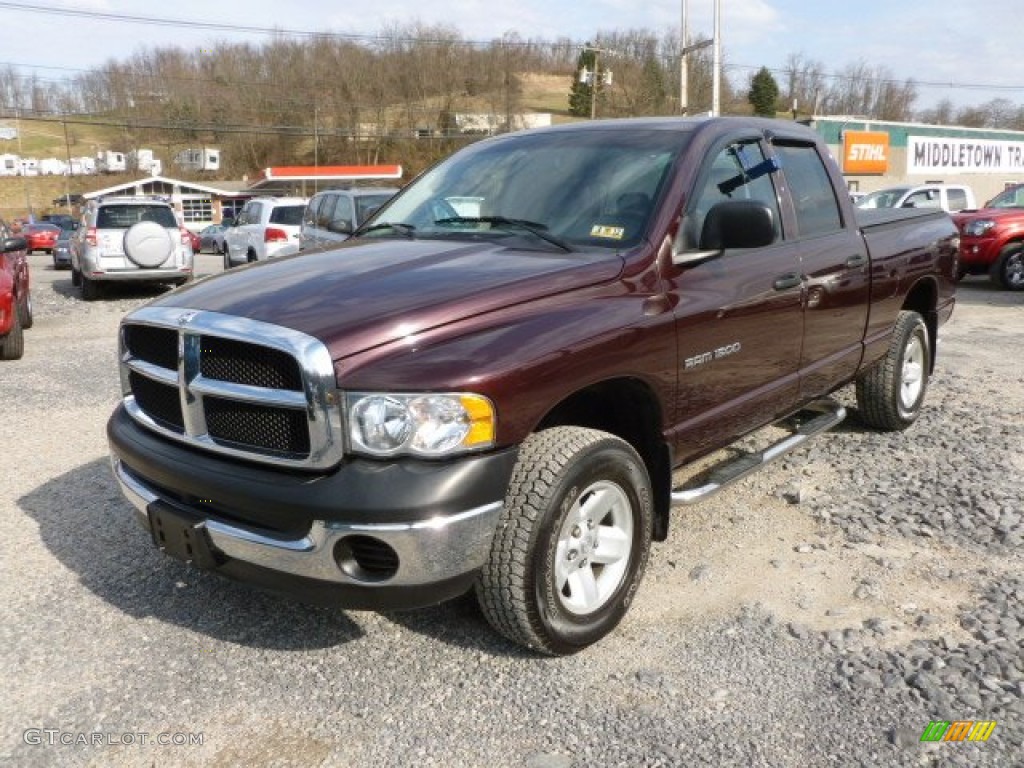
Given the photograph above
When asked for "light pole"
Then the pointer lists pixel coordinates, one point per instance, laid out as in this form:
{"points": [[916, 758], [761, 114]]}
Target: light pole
{"points": [[716, 75], [688, 49]]}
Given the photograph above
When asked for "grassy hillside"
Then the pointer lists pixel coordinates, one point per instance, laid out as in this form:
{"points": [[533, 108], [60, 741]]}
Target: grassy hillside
{"points": [[42, 139]]}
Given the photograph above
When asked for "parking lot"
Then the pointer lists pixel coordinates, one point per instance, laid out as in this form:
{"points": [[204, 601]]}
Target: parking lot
{"points": [[821, 613]]}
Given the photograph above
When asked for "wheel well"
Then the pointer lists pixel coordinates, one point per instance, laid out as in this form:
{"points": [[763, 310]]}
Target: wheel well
{"points": [[923, 299], [628, 409]]}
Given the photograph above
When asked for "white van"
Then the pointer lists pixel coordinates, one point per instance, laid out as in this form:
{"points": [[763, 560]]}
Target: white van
{"points": [[949, 197]]}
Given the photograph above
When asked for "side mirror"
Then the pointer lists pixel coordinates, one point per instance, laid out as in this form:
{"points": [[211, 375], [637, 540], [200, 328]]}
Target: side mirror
{"points": [[731, 224], [13, 244], [340, 227], [737, 224]]}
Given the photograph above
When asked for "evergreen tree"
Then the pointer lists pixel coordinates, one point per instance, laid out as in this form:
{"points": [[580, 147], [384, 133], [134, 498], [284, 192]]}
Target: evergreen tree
{"points": [[764, 93]]}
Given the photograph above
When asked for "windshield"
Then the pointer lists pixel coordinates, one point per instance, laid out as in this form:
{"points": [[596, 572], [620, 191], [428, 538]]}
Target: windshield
{"points": [[883, 198], [1011, 197], [555, 189]]}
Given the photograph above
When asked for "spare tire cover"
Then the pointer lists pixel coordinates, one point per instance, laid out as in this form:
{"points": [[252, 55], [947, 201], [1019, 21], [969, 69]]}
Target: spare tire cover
{"points": [[148, 244]]}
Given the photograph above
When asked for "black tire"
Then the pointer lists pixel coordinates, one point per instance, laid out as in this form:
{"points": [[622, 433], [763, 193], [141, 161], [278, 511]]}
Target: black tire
{"points": [[12, 346], [227, 262], [76, 277], [891, 393], [250, 257], [1008, 269], [90, 289], [546, 585], [25, 310]]}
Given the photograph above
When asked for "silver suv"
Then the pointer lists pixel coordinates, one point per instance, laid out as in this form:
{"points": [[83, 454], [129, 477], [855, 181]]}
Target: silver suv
{"points": [[129, 239], [265, 228], [333, 214]]}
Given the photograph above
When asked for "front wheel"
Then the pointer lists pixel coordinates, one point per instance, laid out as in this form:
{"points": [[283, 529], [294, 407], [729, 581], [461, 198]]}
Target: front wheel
{"points": [[1008, 270], [890, 393], [572, 543]]}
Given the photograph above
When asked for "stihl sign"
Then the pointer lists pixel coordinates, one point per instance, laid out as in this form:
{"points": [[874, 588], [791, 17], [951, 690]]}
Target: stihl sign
{"points": [[865, 152]]}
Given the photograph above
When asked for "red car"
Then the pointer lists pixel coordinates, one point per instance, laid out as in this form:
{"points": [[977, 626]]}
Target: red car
{"points": [[15, 298], [40, 237], [195, 240]]}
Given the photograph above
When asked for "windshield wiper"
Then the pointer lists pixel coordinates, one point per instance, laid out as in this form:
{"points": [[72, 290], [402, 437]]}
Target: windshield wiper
{"points": [[535, 228], [397, 226]]}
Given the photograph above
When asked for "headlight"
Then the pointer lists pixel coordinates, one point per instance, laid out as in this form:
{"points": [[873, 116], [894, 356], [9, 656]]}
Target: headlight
{"points": [[428, 425], [978, 227]]}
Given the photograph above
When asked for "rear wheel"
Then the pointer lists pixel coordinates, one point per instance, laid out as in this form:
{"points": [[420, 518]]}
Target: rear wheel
{"points": [[890, 393], [12, 346], [90, 289], [76, 276], [573, 540], [25, 310], [1008, 270]]}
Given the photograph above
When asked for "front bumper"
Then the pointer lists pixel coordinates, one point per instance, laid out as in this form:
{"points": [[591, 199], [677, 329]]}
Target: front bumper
{"points": [[295, 532]]}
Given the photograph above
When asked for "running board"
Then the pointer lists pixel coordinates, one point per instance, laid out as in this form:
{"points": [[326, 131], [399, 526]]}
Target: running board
{"points": [[810, 421]]}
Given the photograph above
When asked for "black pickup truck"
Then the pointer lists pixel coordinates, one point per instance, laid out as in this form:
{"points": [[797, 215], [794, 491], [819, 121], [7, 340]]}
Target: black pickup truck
{"points": [[491, 384]]}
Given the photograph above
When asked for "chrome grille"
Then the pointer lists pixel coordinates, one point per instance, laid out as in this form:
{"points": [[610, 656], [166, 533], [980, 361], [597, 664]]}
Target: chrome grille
{"points": [[233, 386]]}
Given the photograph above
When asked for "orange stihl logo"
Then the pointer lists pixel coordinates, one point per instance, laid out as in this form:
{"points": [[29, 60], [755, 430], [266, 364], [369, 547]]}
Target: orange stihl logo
{"points": [[959, 730]]}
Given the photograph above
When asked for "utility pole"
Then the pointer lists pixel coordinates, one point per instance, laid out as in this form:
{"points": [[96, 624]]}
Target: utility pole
{"points": [[595, 78], [684, 74]]}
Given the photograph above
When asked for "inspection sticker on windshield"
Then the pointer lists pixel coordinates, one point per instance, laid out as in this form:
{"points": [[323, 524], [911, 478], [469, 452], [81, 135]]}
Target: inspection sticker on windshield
{"points": [[612, 233]]}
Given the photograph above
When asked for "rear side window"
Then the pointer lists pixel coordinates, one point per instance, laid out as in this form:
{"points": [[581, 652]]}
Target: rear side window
{"points": [[957, 199], [366, 205], [287, 214], [817, 210], [124, 216]]}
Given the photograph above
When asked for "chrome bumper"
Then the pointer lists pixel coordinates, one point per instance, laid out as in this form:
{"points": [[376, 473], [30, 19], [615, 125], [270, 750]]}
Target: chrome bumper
{"points": [[429, 551]]}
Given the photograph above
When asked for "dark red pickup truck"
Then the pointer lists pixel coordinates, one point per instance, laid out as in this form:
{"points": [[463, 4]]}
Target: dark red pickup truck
{"points": [[490, 386]]}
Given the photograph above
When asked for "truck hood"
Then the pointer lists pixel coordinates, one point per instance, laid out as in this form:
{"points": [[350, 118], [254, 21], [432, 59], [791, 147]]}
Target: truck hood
{"points": [[361, 295], [996, 214]]}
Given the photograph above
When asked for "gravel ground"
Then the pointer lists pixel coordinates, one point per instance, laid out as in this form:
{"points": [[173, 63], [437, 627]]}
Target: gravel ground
{"points": [[821, 613]]}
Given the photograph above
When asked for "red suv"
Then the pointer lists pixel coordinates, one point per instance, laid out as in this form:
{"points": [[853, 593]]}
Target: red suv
{"points": [[15, 298], [992, 239]]}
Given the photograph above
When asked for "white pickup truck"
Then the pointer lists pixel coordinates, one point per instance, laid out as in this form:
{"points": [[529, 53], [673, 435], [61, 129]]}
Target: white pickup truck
{"points": [[948, 197]]}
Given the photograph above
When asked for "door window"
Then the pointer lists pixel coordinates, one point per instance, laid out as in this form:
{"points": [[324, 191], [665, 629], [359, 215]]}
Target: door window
{"points": [[740, 171], [814, 198]]}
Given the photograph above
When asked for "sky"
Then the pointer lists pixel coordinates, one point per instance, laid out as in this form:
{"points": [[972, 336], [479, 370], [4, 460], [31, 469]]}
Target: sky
{"points": [[964, 52]]}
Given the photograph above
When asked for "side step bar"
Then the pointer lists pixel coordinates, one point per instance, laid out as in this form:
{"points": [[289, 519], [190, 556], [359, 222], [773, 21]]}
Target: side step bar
{"points": [[813, 419]]}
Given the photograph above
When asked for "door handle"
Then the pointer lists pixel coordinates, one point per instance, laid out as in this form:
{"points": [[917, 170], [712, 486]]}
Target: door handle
{"points": [[784, 282], [857, 260]]}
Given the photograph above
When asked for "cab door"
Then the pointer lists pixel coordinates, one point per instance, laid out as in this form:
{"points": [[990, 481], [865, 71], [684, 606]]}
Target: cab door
{"points": [[836, 268], [738, 314]]}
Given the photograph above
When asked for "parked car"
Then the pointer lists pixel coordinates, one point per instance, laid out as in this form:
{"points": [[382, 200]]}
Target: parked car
{"points": [[333, 214], [73, 199], [194, 240], [15, 293], [62, 220], [948, 197], [265, 228], [130, 239], [62, 250], [211, 238], [40, 237], [992, 239]]}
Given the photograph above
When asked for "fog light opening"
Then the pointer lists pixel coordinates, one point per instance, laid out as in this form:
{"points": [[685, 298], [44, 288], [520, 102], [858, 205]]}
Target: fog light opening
{"points": [[366, 559]]}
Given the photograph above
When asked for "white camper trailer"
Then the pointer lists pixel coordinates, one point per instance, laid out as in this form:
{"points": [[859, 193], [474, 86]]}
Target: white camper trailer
{"points": [[109, 161], [205, 159]]}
